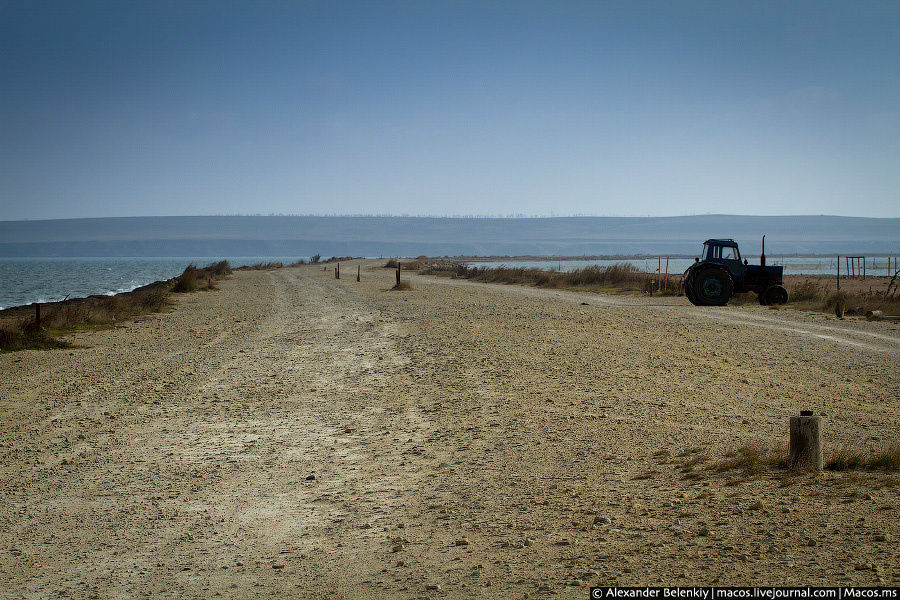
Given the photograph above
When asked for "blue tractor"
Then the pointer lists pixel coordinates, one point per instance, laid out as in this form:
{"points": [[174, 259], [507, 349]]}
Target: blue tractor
{"points": [[719, 273]]}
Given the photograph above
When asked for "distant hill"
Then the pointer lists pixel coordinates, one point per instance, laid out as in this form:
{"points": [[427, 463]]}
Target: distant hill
{"points": [[412, 236]]}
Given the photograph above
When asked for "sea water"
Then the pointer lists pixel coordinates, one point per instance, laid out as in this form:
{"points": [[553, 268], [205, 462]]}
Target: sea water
{"points": [[28, 280]]}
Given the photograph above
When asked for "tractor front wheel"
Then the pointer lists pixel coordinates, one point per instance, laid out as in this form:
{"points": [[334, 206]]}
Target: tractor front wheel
{"points": [[774, 294], [712, 286]]}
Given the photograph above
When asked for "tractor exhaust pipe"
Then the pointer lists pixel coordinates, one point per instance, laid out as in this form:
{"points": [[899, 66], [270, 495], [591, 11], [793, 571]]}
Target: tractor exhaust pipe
{"points": [[762, 257]]}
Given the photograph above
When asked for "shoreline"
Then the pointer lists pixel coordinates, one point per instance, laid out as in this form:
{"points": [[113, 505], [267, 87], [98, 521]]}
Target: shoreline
{"points": [[20, 313], [472, 260]]}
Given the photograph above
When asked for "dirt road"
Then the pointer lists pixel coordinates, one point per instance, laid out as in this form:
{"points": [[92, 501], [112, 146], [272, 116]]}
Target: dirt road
{"points": [[297, 435]]}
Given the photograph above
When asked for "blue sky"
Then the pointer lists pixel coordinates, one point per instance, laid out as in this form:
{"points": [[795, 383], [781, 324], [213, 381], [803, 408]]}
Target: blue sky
{"points": [[449, 108]]}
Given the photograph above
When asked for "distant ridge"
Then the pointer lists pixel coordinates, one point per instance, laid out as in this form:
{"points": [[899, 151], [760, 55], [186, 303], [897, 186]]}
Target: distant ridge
{"points": [[411, 236]]}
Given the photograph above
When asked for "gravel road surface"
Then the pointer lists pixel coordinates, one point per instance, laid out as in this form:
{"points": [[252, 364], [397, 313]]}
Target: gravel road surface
{"points": [[295, 435]]}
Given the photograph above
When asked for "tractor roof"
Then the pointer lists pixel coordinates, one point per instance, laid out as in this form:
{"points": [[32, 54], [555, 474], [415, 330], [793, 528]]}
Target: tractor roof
{"points": [[728, 242]]}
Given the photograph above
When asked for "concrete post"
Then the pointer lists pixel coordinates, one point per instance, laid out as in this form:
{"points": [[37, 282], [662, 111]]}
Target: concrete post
{"points": [[806, 441]]}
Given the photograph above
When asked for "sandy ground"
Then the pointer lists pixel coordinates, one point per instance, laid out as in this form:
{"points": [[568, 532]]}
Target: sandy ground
{"points": [[465, 440]]}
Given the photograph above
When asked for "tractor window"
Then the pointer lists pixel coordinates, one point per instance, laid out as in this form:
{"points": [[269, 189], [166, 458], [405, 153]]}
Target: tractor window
{"points": [[703, 255], [730, 253]]}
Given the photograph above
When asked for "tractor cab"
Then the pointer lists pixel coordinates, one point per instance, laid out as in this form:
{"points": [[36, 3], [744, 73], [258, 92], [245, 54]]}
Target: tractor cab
{"points": [[725, 253]]}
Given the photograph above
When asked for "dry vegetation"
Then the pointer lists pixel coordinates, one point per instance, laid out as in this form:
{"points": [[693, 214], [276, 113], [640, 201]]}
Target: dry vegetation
{"points": [[267, 266], [754, 460], [847, 459], [618, 277], [405, 265], [805, 292], [857, 296], [19, 329]]}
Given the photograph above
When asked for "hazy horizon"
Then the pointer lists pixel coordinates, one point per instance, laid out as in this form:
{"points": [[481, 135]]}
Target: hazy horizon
{"points": [[536, 108], [438, 236], [447, 216]]}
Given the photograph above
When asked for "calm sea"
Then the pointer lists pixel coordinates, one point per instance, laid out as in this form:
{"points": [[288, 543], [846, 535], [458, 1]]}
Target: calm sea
{"points": [[27, 280]]}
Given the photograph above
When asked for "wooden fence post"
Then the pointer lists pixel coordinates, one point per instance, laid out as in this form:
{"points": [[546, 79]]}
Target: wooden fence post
{"points": [[337, 271], [659, 273], [839, 272], [357, 273], [667, 274], [398, 272]]}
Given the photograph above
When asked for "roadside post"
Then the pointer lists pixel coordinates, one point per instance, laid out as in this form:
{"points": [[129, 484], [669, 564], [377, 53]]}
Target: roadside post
{"points": [[398, 272], [839, 272], [357, 273], [806, 441], [667, 275], [659, 273]]}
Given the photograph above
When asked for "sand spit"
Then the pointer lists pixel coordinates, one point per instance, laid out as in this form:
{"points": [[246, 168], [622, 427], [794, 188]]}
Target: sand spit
{"points": [[300, 436]]}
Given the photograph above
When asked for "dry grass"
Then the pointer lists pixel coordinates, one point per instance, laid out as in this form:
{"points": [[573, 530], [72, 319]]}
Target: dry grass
{"points": [[28, 338], [218, 269], [857, 297], [187, 281], [887, 459], [19, 330], [403, 286], [846, 459], [267, 266], [617, 277], [753, 459], [851, 459], [691, 458], [620, 276], [861, 303], [405, 265], [806, 291], [443, 268], [194, 279]]}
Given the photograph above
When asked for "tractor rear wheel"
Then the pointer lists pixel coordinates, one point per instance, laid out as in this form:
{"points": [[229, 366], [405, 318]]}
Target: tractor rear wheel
{"points": [[712, 286], [689, 289], [774, 294]]}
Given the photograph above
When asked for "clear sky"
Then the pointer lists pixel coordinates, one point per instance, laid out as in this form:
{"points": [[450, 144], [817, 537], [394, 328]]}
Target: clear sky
{"points": [[449, 108]]}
